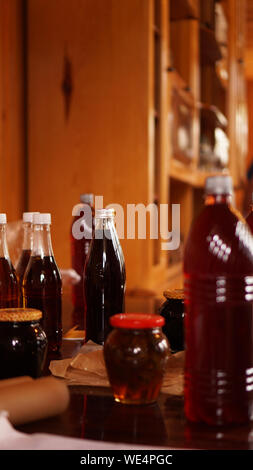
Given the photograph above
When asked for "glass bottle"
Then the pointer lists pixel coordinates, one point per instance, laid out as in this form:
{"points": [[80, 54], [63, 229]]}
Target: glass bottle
{"points": [[218, 287], [42, 285], [80, 243], [26, 248], [9, 289], [104, 278]]}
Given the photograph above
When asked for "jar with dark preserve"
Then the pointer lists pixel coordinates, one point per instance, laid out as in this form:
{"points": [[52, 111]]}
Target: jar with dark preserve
{"points": [[173, 312], [136, 353], [23, 343]]}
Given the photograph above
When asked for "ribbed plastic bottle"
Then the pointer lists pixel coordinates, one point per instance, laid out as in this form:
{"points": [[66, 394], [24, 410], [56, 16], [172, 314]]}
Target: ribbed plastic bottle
{"points": [[42, 285], [218, 285], [9, 289]]}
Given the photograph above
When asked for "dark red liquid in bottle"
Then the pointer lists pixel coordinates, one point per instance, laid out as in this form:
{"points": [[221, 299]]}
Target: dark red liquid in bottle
{"points": [[218, 272], [249, 220], [104, 287], [79, 251], [9, 289], [20, 270], [42, 289]]}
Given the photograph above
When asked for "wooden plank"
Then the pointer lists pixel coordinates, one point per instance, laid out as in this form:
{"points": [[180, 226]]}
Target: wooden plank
{"points": [[12, 138], [99, 51]]}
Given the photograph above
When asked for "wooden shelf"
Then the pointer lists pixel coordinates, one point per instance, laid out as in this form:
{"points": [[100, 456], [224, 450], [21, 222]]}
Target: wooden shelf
{"points": [[209, 47], [213, 115], [183, 89], [183, 9], [189, 175]]}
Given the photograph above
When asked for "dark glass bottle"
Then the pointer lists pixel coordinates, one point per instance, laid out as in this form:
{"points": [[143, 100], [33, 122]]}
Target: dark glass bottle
{"points": [[80, 237], [42, 285], [104, 278], [26, 249], [9, 289], [218, 286]]}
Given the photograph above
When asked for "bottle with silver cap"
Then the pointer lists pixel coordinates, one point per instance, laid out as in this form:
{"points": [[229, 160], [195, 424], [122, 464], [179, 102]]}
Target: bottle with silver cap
{"points": [[26, 248], [218, 300], [82, 227], [42, 285], [9, 289], [104, 278]]}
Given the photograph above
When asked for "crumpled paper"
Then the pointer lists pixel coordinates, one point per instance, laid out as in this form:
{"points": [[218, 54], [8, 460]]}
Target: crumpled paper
{"points": [[88, 368]]}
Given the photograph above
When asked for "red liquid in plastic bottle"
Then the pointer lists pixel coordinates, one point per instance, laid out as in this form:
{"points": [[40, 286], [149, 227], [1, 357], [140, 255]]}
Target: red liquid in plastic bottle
{"points": [[79, 251], [249, 218], [218, 273]]}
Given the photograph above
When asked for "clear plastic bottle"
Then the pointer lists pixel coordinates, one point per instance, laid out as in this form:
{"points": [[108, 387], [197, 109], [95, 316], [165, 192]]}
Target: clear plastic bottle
{"points": [[249, 218], [79, 250], [218, 285], [9, 289], [42, 285], [26, 248], [104, 278]]}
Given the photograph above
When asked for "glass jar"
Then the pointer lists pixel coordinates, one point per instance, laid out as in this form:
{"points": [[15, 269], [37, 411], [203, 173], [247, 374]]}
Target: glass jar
{"points": [[23, 343], [136, 353], [173, 312]]}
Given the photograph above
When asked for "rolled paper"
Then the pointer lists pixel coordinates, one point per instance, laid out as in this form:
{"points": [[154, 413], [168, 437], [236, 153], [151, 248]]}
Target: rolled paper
{"points": [[15, 381], [29, 401]]}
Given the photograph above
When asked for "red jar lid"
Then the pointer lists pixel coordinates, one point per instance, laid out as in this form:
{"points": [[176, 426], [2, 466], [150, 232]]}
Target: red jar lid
{"points": [[137, 320]]}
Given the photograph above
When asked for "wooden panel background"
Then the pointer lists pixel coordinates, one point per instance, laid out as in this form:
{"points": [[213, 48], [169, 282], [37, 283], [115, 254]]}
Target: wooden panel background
{"points": [[100, 145], [12, 115]]}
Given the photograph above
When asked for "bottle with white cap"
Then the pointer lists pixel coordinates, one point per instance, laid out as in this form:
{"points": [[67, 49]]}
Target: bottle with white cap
{"points": [[42, 285], [9, 289], [218, 292], [82, 227], [26, 248], [104, 278]]}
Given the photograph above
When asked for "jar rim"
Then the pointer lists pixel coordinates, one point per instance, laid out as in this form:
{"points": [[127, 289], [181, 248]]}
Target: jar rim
{"points": [[138, 321], [16, 315]]}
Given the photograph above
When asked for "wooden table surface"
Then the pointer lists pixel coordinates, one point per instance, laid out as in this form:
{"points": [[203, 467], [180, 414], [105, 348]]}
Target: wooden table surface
{"points": [[93, 414]]}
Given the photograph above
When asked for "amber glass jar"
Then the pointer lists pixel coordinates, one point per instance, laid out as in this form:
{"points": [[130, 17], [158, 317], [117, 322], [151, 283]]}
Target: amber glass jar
{"points": [[136, 354], [23, 343]]}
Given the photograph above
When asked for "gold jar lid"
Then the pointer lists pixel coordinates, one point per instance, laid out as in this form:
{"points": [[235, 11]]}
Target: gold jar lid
{"points": [[177, 294], [19, 314]]}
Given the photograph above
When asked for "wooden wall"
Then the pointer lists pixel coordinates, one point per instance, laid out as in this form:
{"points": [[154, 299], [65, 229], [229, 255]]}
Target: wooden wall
{"points": [[92, 137], [12, 111]]}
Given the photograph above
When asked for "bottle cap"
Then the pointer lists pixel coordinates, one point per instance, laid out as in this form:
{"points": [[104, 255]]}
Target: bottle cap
{"points": [[87, 198], [219, 184], [46, 219], [28, 216], [137, 321], [37, 218], [3, 219], [104, 213]]}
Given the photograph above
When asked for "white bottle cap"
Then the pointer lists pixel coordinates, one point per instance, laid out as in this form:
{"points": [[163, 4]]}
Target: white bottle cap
{"points": [[36, 218], [104, 213], [219, 184], [46, 219], [87, 198], [28, 216], [3, 219]]}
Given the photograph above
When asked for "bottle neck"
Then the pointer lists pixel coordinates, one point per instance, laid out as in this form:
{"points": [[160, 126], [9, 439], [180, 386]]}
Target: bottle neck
{"points": [[4, 252], [42, 244], [211, 199], [27, 236]]}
